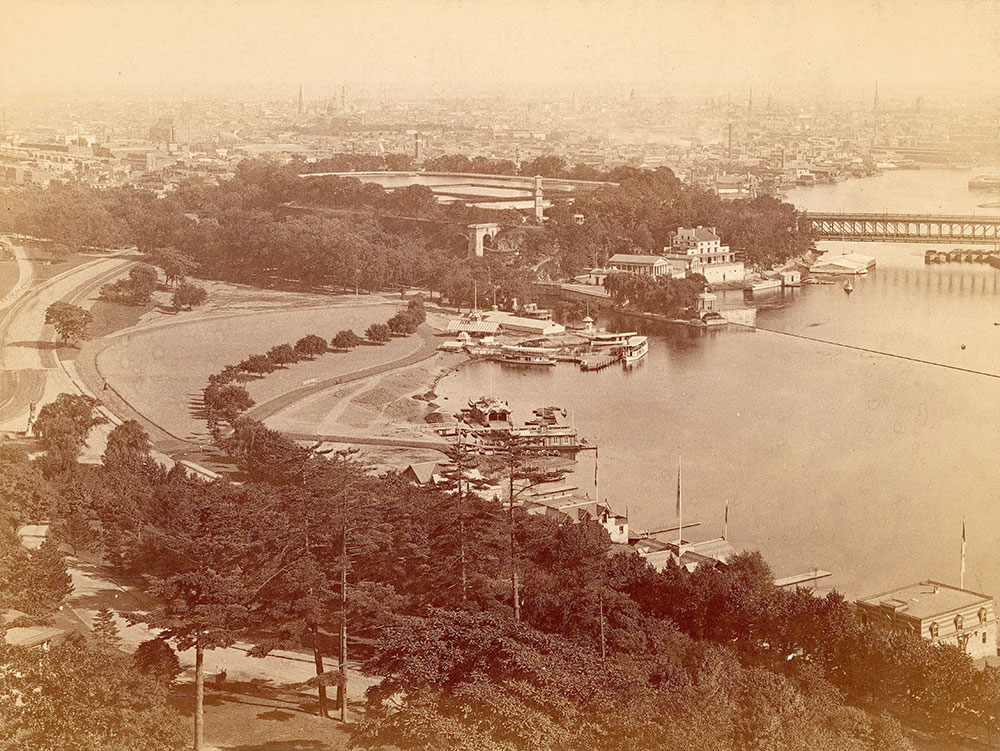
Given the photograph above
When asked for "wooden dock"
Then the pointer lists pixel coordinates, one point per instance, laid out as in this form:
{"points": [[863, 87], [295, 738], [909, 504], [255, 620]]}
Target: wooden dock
{"points": [[599, 361], [799, 580]]}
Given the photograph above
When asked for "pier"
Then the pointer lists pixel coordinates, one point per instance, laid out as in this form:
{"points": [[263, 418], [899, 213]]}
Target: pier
{"points": [[599, 361], [963, 255]]}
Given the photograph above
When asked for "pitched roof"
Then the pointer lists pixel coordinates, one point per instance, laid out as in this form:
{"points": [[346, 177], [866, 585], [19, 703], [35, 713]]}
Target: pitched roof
{"points": [[423, 472], [474, 327]]}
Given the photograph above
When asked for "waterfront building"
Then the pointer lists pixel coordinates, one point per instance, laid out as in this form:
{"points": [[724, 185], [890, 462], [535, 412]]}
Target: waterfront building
{"points": [[639, 264], [699, 250], [791, 278], [848, 263], [474, 326], [560, 503], [938, 612], [510, 323], [594, 276], [689, 555]]}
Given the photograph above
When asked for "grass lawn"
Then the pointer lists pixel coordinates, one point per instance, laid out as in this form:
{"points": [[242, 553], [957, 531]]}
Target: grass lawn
{"points": [[258, 716], [8, 275]]}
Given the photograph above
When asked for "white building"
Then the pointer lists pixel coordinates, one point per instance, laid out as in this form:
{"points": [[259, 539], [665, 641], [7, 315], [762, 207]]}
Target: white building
{"points": [[639, 264], [510, 323], [699, 250]]}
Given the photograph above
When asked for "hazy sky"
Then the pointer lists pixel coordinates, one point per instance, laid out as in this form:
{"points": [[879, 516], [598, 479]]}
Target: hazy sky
{"points": [[427, 47]]}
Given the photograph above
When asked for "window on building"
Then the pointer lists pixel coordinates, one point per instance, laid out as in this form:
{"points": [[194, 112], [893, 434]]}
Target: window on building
{"points": [[984, 637], [958, 622], [982, 615], [935, 629]]}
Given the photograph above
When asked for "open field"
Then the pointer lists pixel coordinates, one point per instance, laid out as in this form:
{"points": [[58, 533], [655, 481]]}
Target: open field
{"points": [[162, 369]]}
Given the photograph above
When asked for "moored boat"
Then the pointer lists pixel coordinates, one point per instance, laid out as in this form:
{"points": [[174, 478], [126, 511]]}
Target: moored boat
{"points": [[600, 339], [635, 349], [514, 355]]}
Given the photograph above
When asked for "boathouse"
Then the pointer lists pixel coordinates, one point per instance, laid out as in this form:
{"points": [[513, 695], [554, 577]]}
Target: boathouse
{"points": [[938, 612], [633, 263]]}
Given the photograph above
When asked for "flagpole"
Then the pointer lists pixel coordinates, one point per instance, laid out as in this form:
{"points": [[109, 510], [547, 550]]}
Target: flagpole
{"points": [[680, 510], [962, 580], [725, 525], [597, 488]]}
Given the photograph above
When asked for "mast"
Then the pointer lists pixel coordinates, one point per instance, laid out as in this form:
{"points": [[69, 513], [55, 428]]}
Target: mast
{"points": [[597, 487], [725, 524], [962, 580], [680, 510]]}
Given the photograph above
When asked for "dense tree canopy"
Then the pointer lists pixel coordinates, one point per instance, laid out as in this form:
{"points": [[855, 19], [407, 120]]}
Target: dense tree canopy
{"points": [[77, 697]]}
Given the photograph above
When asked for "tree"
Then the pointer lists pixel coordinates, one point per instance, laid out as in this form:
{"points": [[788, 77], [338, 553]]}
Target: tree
{"points": [[326, 522], [62, 427], [205, 540], [27, 494], [144, 277], [264, 454], [33, 581], [157, 659], [464, 516], [76, 697], [518, 460], [188, 295], [70, 321], [176, 265], [311, 345], [258, 364], [226, 401], [379, 333], [283, 354], [105, 628], [128, 449], [345, 339]]}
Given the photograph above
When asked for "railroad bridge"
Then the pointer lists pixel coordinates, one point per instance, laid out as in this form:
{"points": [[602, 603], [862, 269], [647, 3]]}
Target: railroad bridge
{"points": [[904, 228]]}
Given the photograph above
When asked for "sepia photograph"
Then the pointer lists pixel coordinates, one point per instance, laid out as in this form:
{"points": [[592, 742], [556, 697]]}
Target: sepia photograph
{"points": [[499, 375]]}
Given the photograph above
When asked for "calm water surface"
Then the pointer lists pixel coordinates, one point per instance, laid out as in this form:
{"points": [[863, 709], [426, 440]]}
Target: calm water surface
{"points": [[857, 463]]}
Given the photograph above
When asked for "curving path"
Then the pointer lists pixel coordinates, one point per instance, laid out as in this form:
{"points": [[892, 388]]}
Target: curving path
{"points": [[271, 407], [160, 370], [30, 371]]}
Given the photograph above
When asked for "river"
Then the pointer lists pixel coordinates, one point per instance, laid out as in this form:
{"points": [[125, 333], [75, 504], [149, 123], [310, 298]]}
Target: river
{"points": [[832, 458]]}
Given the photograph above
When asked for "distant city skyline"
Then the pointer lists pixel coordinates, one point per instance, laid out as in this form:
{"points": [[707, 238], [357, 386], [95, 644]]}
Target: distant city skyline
{"points": [[396, 49]]}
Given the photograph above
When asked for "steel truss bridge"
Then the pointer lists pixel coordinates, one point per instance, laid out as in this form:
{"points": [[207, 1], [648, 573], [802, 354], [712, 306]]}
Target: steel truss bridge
{"points": [[902, 228]]}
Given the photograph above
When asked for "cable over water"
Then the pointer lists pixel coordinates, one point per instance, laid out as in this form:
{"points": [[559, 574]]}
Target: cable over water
{"points": [[870, 351]]}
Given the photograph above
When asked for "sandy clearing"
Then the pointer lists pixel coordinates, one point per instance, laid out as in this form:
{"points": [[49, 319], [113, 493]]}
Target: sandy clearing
{"points": [[382, 405]]}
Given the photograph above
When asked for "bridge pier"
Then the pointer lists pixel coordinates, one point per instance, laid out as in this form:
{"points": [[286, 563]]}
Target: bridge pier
{"points": [[477, 232]]}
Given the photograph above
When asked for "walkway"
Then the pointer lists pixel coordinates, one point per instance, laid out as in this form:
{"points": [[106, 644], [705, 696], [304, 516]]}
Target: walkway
{"points": [[30, 371], [273, 406]]}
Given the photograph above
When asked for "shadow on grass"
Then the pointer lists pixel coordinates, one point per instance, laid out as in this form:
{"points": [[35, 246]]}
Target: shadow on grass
{"points": [[296, 745], [38, 345], [279, 703], [276, 715]]}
